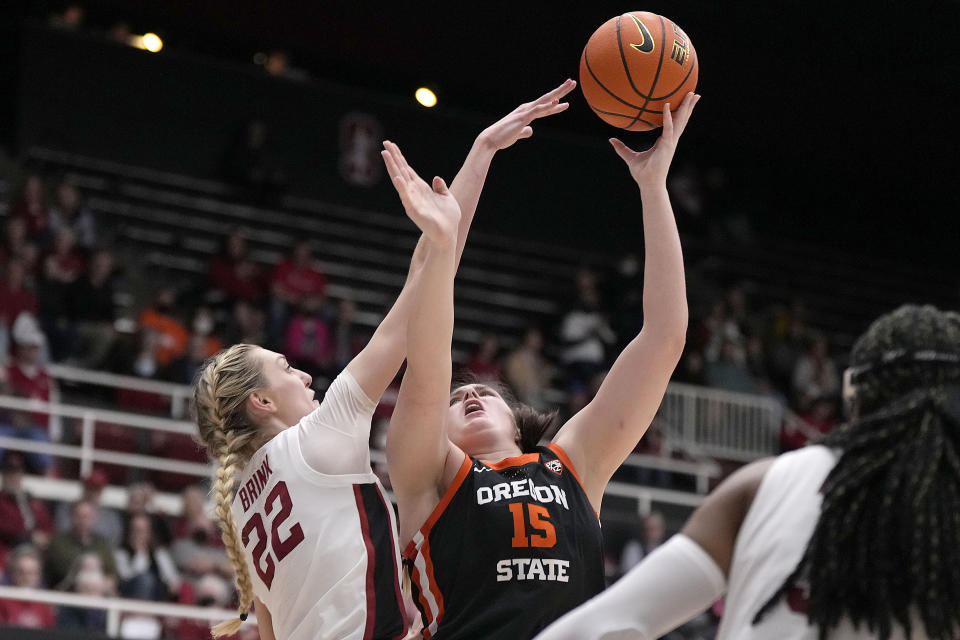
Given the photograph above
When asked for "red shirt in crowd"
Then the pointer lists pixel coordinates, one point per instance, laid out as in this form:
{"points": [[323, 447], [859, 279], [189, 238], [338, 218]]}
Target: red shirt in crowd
{"points": [[13, 527], [15, 302], [240, 280], [37, 386], [34, 615], [297, 281]]}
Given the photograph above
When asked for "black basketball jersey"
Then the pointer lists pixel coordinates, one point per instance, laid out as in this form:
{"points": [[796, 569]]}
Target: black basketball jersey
{"points": [[509, 549]]}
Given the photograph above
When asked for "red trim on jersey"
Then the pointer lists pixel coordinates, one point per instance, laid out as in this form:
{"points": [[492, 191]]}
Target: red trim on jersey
{"points": [[396, 573], [562, 456], [410, 552], [371, 565], [425, 606], [515, 461]]}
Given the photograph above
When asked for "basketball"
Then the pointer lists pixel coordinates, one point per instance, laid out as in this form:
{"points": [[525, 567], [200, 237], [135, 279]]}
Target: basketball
{"points": [[634, 64]]}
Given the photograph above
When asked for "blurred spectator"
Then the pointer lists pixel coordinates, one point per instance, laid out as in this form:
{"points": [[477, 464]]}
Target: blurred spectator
{"points": [[20, 424], [16, 245], [196, 522], [296, 277], [627, 293], [483, 361], [233, 275], [107, 522], [348, 337], [691, 369], [27, 374], [585, 332], [92, 312], [247, 325], [140, 502], [87, 579], [815, 375], [69, 212], [31, 207], [145, 569], [22, 519], [650, 534], [184, 369], [818, 420], [728, 371], [61, 268], [67, 546], [788, 339], [169, 339], [527, 371], [24, 571], [210, 591], [15, 295], [308, 344]]}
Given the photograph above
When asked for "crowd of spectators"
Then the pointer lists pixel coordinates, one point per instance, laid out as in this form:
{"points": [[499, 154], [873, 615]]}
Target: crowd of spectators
{"points": [[59, 285], [87, 548]]}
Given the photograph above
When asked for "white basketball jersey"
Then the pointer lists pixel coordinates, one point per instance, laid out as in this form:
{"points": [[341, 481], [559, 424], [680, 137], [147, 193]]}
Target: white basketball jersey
{"points": [[321, 547], [772, 540]]}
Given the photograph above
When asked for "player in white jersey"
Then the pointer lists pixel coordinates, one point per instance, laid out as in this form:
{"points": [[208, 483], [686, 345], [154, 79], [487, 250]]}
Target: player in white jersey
{"points": [[857, 537], [304, 520]]}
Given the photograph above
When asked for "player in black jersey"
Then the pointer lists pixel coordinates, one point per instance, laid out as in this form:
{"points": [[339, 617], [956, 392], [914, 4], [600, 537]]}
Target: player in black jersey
{"points": [[503, 537]]}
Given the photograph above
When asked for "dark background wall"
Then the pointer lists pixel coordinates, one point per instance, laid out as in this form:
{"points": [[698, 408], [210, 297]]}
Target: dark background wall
{"points": [[833, 123]]}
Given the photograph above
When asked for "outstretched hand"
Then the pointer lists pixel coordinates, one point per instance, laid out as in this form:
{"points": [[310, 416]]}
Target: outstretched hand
{"points": [[650, 167], [516, 124], [432, 208]]}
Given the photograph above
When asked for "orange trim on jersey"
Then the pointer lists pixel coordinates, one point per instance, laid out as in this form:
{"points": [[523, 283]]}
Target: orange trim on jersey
{"points": [[410, 552], [562, 455], [434, 587], [515, 461]]}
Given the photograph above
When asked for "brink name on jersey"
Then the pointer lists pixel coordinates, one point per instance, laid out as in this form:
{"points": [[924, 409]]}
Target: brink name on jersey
{"points": [[255, 485]]}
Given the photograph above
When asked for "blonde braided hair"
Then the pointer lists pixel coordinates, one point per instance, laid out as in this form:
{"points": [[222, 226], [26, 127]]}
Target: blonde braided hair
{"points": [[226, 430]]}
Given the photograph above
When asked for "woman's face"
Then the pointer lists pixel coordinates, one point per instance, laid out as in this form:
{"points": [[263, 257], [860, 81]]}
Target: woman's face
{"points": [[288, 388], [140, 532], [479, 419]]}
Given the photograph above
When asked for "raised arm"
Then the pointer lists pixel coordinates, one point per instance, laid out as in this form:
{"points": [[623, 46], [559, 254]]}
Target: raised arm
{"points": [[377, 364], [679, 579], [600, 437], [417, 446], [503, 133]]}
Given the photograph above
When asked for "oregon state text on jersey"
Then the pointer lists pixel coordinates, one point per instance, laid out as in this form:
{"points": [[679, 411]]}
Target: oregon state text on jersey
{"points": [[510, 547]]}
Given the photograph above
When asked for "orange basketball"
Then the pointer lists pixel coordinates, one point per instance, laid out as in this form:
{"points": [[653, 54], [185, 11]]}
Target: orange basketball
{"points": [[632, 65]]}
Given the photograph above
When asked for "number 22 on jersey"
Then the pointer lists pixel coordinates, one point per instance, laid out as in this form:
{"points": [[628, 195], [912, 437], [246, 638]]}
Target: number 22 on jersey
{"points": [[280, 547]]}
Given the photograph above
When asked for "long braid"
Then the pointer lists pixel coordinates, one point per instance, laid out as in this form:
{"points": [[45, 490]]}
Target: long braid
{"points": [[886, 547], [223, 385], [230, 461]]}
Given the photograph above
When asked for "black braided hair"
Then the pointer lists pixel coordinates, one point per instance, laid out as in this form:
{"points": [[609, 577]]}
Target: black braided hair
{"points": [[886, 548]]}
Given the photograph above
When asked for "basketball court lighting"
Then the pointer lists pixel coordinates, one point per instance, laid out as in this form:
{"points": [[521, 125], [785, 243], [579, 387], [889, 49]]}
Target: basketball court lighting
{"points": [[426, 97], [152, 42]]}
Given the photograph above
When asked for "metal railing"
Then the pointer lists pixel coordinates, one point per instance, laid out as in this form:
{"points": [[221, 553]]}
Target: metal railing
{"points": [[179, 394], [87, 453], [714, 423], [115, 607]]}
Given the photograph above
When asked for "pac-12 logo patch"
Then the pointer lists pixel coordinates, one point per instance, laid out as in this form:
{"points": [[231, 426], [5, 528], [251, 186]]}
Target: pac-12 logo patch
{"points": [[555, 466]]}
